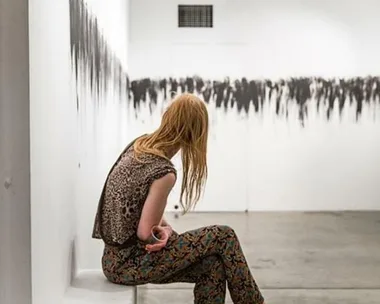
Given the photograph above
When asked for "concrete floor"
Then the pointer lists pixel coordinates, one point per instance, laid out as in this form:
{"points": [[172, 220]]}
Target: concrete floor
{"points": [[313, 258]]}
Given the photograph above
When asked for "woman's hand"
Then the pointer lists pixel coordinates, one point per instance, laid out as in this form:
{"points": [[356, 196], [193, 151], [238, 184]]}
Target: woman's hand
{"points": [[162, 234], [169, 230], [166, 225]]}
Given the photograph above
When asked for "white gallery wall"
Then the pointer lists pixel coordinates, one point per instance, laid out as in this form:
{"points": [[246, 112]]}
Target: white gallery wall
{"points": [[102, 113], [76, 131], [263, 161], [53, 127], [256, 38]]}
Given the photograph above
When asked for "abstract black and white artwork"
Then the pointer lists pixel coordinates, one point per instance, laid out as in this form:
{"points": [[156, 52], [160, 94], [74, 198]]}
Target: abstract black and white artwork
{"points": [[326, 95], [94, 63], [97, 68]]}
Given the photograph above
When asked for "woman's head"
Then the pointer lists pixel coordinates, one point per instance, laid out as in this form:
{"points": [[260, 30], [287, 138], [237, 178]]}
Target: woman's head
{"points": [[184, 126]]}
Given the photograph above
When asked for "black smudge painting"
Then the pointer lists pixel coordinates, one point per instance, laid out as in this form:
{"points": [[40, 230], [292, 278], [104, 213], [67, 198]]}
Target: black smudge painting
{"points": [[96, 67], [246, 93], [94, 63]]}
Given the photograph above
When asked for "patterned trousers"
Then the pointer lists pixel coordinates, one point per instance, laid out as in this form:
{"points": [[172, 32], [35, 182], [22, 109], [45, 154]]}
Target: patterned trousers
{"points": [[211, 257]]}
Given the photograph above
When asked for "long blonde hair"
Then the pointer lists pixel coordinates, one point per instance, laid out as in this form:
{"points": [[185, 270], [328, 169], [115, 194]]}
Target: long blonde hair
{"points": [[184, 126]]}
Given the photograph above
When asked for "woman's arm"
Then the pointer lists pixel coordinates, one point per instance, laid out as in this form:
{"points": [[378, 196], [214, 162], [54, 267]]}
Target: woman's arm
{"points": [[154, 206]]}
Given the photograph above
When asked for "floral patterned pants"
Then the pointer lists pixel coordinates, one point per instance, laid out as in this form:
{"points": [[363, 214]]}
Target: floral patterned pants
{"points": [[211, 257]]}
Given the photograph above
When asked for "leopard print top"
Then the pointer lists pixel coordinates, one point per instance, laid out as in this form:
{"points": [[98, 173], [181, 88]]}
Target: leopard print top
{"points": [[124, 194]]}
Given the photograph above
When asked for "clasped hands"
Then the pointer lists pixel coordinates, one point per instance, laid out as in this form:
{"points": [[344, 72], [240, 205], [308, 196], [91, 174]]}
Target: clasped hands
{"points": [[160, 237]]}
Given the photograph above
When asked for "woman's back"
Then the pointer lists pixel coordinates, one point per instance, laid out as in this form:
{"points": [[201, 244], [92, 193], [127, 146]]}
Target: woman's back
{"points": [[125, 192]]}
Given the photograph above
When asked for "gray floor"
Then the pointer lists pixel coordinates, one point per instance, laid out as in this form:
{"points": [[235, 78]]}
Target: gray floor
{"points": [[313, 258]]}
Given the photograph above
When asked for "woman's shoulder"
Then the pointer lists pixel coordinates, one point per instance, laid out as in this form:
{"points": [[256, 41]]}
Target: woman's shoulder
{"points": [[160, 168], [148, 162], [157, 162]]}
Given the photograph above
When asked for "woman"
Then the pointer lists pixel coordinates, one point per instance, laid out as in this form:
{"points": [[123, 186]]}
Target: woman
{"points": [[133, 202]]}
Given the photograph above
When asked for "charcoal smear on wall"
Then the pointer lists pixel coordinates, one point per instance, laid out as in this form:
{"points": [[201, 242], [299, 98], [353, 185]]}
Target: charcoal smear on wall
{"points": [[97, 68], [245, 93], [93, 61]]}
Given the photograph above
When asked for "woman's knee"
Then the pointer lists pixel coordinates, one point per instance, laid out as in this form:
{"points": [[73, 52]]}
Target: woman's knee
{"points": [[226, 230]]}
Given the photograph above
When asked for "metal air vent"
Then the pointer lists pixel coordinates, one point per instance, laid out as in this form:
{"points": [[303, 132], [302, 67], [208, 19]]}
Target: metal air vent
{"points": [[195, 16]]}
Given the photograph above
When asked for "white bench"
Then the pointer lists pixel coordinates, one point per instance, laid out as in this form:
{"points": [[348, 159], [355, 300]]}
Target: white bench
{"points": [[92, 287]]}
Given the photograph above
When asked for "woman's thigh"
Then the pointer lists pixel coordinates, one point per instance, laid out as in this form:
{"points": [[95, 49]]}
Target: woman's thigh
{"points": [[182, 252], [193, 273]]}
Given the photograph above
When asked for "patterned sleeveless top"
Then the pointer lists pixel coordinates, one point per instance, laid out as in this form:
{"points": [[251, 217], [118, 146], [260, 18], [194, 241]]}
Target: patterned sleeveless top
{"points": [[124, 195]]}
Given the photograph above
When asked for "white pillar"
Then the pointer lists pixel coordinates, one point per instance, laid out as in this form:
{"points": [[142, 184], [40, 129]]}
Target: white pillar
{"points": [[15, 229]]}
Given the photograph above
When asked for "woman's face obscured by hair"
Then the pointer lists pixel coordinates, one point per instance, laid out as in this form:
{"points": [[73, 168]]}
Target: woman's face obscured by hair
{"points": [[187, 120], [185, 124]]}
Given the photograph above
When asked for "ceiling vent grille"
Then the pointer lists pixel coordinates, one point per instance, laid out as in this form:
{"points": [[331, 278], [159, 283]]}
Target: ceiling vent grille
{"points": [[195, 16]]}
